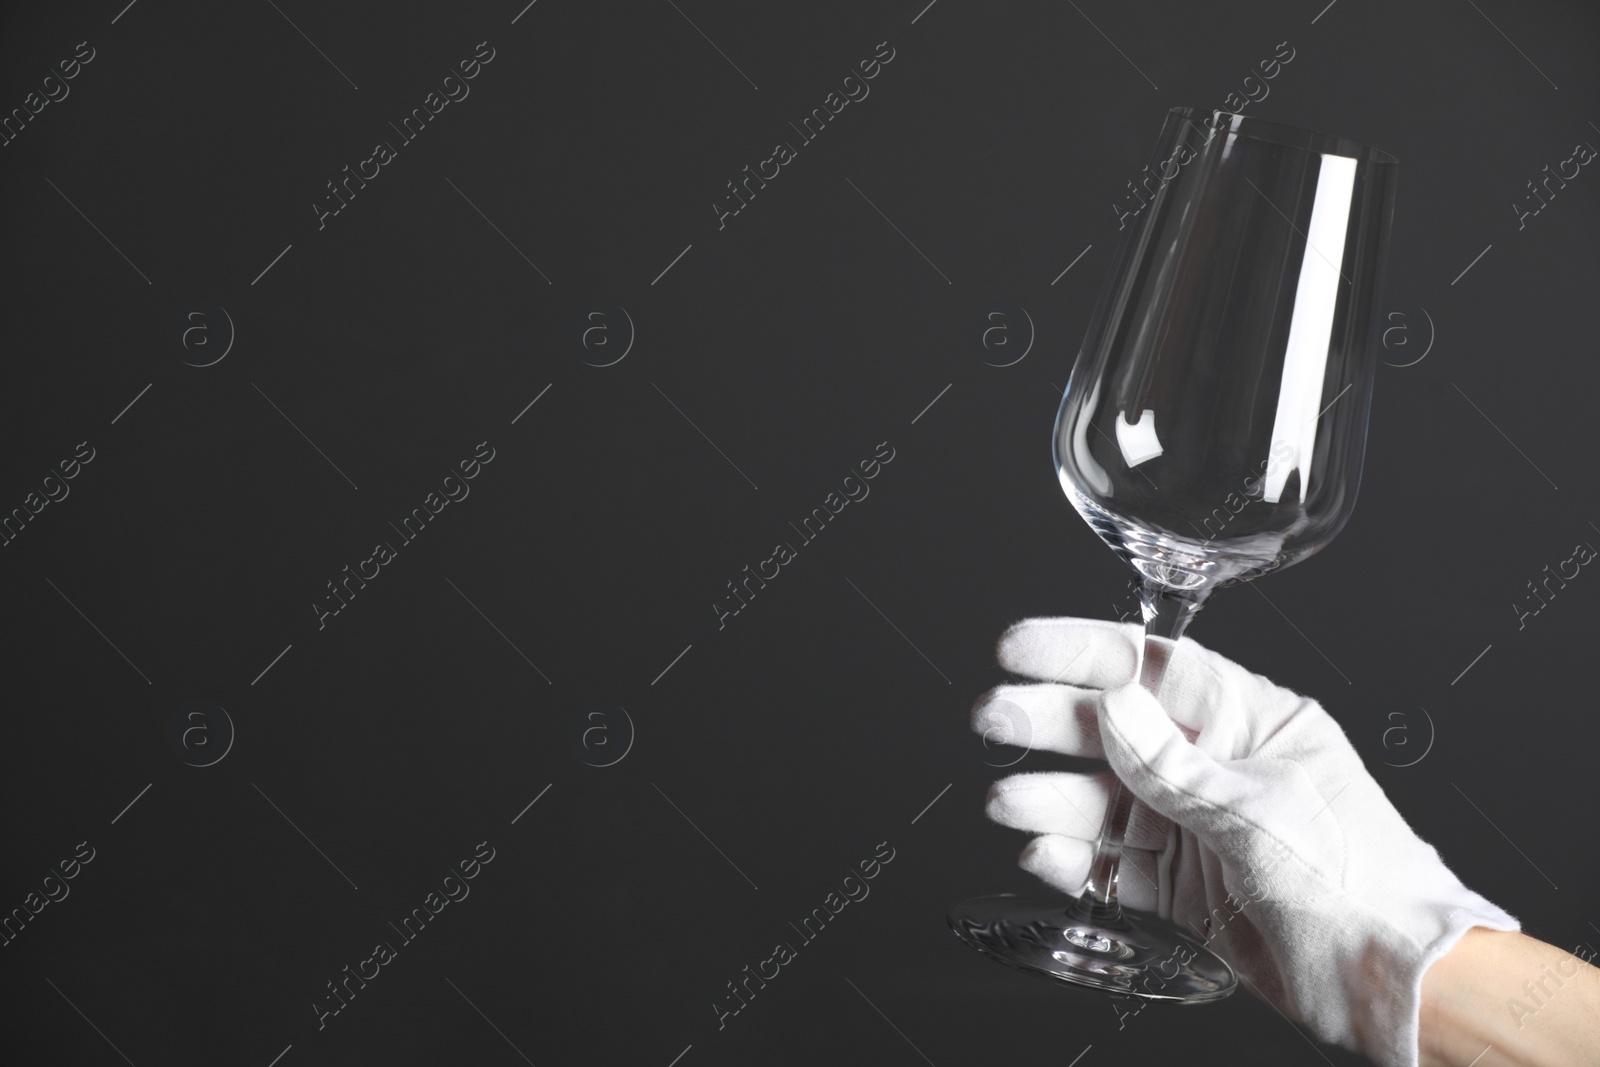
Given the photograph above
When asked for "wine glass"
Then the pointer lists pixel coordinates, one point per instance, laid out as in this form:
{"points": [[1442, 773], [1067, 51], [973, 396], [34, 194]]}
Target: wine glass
{"points": [[1212, 431]]}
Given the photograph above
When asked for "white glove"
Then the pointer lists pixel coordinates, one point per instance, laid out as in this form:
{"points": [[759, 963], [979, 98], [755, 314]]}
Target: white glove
{"points": [[1265, 835]]}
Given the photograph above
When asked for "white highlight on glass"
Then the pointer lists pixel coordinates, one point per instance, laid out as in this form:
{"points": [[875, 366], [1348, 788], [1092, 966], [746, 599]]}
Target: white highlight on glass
{"points": [[1294, 430], [1138, 440], [1092, 472]]}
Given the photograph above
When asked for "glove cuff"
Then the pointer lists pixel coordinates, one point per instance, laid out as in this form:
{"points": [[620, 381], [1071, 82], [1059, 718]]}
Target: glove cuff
{"points": [[1387, 992]]}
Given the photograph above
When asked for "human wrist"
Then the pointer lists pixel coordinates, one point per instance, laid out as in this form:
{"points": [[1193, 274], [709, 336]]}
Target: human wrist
{"points": [[1511, 1000]]}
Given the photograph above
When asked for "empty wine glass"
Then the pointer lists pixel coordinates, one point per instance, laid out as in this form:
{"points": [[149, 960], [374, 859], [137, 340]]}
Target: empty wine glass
{"points": [[1212, 431]]}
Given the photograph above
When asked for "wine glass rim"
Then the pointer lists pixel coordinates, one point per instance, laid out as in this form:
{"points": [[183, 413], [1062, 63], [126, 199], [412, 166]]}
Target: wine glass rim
{"points": [[1246, 123]]}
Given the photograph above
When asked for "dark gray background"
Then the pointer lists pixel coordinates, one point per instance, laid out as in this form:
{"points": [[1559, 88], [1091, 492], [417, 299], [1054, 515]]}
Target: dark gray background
{"points": [[809, 730]]}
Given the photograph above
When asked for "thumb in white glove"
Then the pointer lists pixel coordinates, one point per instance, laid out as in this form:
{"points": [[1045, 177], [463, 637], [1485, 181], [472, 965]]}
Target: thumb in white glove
{"points": [[1264, 835]]}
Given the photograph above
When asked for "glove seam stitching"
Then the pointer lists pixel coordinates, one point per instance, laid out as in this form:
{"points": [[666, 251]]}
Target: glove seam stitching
{"points": [[1217, 808]]}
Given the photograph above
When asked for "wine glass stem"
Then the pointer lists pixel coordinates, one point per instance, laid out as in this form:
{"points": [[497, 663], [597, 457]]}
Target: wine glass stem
{"points": [[1166, 616]]}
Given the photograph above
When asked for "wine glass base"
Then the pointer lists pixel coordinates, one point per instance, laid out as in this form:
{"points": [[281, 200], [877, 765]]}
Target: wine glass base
{"points": [[1134, 954]]}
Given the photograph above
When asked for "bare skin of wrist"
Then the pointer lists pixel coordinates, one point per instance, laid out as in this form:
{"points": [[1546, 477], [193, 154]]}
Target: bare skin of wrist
{"points": [[1503, 999]]}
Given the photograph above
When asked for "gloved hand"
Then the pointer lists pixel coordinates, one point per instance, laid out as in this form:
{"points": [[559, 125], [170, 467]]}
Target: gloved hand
{"points": [[1264, 835]]}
